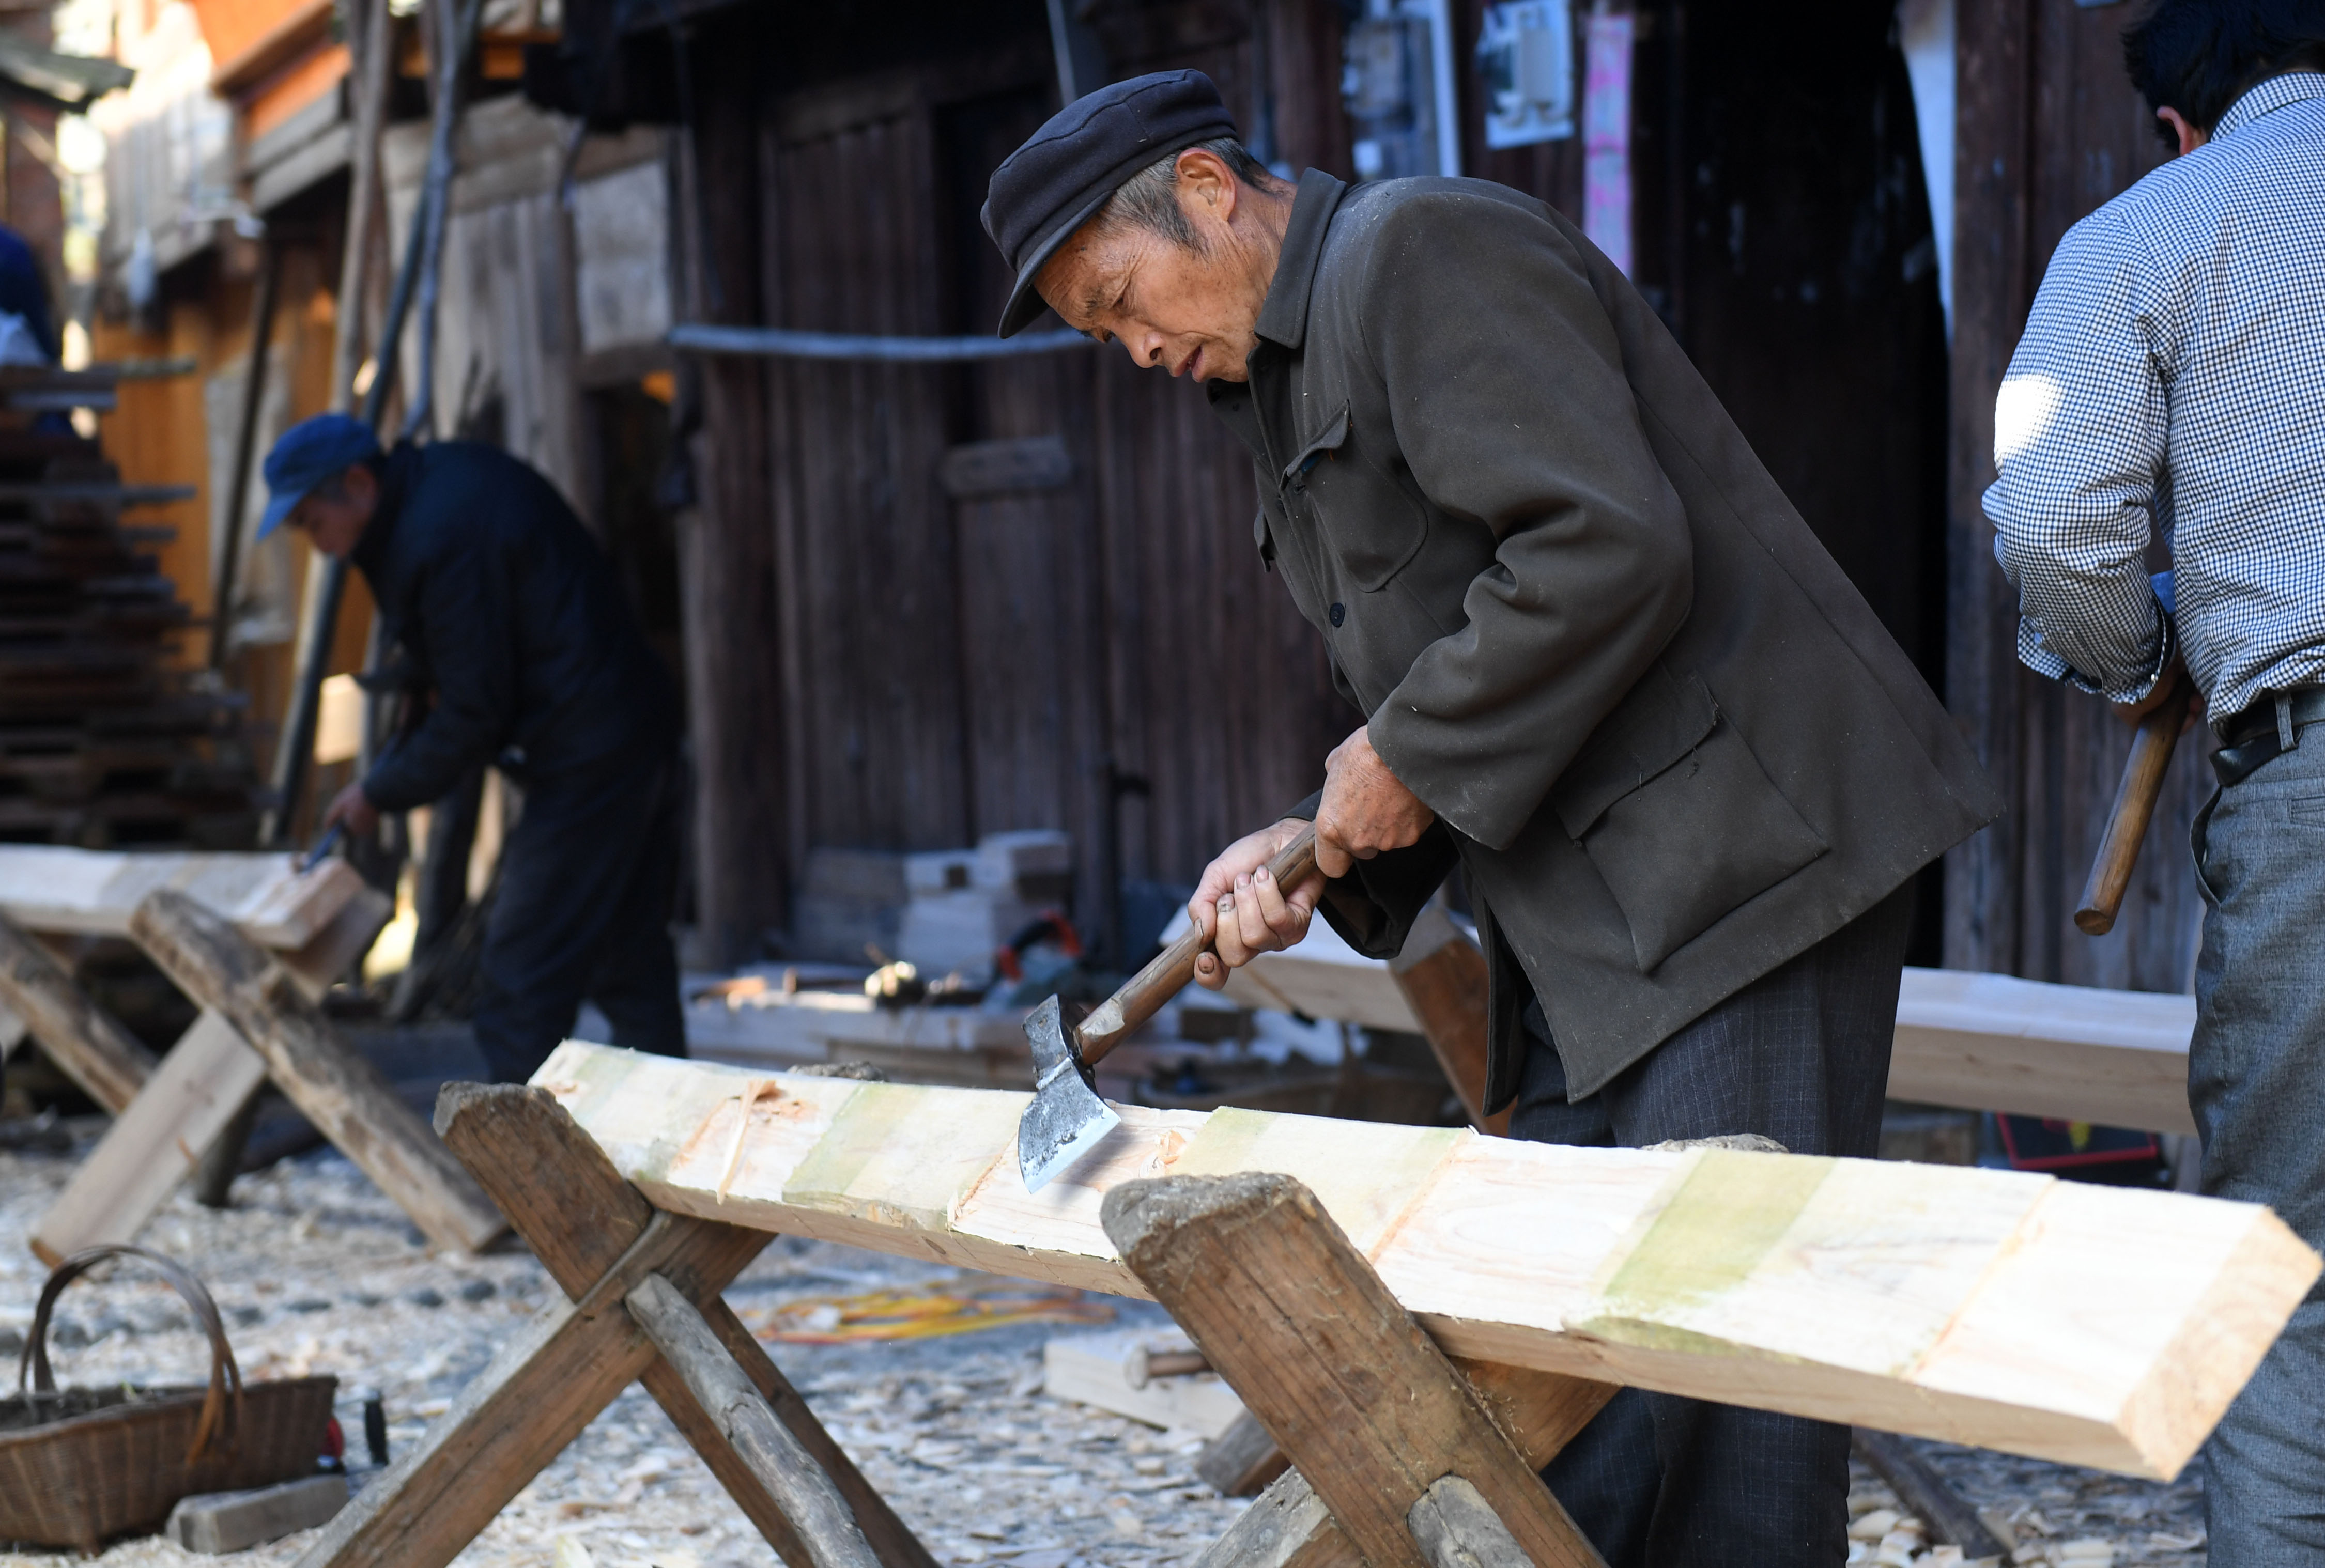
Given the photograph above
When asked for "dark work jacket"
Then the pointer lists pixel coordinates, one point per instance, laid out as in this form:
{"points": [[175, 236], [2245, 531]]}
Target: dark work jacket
{"points": [[514, 624], [1669, 742]]}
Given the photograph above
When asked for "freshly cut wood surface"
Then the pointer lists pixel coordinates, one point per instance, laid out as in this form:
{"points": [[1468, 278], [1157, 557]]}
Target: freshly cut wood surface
{"points": [[108, 1063], [1361, 1399], [45, 888], [1990, 1042], [344, 1095], [2091, 1326]]}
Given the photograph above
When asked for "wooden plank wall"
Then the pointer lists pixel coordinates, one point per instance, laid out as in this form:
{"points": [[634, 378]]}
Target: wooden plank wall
{"points": [[878, 664], [2048, 129]]}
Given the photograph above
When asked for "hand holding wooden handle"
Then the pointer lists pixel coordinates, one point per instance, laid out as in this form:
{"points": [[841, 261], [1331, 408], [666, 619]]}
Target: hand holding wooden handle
{"points": [[1143, 995], [2152, 746]]}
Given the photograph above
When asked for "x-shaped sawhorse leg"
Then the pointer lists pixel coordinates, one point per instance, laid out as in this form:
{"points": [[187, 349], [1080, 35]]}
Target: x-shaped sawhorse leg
{"points": [[1402, 1458], [644, 1288]]}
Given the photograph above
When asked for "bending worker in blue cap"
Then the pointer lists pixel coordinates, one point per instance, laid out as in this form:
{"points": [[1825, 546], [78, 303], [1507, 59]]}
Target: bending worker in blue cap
{"points": [[523, 654]]}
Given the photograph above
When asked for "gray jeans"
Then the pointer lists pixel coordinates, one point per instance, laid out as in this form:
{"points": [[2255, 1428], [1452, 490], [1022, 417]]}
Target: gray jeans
{"points": [[2256, 1083]]}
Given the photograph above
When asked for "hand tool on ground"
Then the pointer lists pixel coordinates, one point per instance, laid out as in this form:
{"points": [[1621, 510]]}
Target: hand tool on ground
{"points": [[1067, 1118], [2152, 745], [323, 846]]}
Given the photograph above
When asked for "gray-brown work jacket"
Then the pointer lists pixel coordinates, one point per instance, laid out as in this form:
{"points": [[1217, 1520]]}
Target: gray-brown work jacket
{"points": [[1669, 742]]}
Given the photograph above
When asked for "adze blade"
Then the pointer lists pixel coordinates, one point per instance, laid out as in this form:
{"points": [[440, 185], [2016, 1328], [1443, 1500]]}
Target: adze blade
{"points": [[1067, 1118]]}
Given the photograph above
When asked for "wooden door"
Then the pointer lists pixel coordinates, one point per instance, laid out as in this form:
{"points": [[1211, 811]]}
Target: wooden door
{"points": [[2048, 129]]}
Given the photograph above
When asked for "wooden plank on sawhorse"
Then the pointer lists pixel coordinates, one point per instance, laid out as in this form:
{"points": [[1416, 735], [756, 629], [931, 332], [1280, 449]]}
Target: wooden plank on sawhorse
{"points": [[599, 1240], [344, 1095], [159, 1137], [1370, 1412]]}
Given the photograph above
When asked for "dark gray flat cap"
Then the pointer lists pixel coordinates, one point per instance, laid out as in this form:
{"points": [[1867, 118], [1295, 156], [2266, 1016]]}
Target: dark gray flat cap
{"points": [[1051, 186]]}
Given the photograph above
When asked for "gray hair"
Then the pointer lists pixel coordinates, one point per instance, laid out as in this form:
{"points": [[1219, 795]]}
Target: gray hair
{"points": [[1149, 200]]}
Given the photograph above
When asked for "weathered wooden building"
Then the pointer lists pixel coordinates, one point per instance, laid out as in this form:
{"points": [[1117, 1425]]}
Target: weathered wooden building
{"points": [[914, 603]]}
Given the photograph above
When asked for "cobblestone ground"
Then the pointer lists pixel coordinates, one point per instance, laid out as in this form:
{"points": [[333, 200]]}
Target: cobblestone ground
{"points": [[316, 1272]]}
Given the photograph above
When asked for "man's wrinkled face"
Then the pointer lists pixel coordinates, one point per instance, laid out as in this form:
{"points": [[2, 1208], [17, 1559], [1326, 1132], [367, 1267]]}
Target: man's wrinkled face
{"points": [[1189, 308], [1186, 311], [334, 514]]}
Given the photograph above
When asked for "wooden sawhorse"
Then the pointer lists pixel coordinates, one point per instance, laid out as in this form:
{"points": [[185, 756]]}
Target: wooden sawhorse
{"points": [[259, 1020], [1415, 1462]]}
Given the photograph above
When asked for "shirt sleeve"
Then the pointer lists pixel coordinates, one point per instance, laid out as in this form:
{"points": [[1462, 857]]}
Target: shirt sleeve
{"points": [[1511, 407], [2081, 428], [467, 620]]}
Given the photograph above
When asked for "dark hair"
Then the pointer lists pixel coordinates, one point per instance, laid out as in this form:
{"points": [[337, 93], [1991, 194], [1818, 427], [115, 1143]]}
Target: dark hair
{"points": [[1149, 200], [2197, 57]]}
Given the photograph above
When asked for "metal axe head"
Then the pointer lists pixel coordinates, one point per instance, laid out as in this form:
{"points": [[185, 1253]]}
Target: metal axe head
{"points": [[1066, 1117]]}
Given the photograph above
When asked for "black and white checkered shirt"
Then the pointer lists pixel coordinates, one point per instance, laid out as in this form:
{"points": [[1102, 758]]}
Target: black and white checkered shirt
{"points": [[2172, 374]]}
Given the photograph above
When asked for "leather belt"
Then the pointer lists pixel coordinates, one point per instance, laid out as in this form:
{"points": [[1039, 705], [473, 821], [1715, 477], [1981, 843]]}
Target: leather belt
{"points": [[2259, 734]]}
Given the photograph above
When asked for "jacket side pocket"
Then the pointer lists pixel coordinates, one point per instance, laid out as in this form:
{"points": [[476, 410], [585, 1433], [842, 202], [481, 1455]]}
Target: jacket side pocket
{"points": [[1371, 526], [1677, 814]]}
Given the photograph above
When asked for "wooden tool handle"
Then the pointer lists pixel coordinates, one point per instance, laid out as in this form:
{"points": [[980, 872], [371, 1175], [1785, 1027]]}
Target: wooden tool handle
{"points": [[1143, 995], [2152, 746]]}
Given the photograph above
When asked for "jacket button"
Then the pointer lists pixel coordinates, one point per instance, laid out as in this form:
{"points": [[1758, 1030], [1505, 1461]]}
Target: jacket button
{"points": [[1339, 614]]}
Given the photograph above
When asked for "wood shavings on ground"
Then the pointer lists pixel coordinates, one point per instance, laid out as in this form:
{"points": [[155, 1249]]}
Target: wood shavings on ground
{"points": [[317, 1272], [913, 1314]]}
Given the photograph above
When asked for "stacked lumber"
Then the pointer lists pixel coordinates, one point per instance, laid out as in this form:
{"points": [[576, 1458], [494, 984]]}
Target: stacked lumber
{"points": [[2085, 1324], [100, 741]]}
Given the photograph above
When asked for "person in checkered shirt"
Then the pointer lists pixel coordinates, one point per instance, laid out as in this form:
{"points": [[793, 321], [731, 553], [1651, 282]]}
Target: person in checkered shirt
{"points": [[2172, 378]]}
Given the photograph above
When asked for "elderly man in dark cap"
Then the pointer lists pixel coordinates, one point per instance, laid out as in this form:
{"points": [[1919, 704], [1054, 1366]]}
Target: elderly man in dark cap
{"points": [[1603, 666], [520, 651]]}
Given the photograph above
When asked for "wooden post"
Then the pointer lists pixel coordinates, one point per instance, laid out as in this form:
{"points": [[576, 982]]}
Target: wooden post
{"points": [[780, 1466], [344, 1095], [75, 1033], [1455, 1527], [1357, 1395], [1287, 1527], [579, 1215]]}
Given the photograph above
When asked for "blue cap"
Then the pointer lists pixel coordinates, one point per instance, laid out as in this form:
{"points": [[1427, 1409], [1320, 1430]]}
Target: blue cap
{"points": [[1049, 188], [309, 452]]}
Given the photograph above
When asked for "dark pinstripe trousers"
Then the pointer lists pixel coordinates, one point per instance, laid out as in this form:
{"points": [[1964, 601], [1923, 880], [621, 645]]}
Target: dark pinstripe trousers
{"points": [[1801, 1055]]}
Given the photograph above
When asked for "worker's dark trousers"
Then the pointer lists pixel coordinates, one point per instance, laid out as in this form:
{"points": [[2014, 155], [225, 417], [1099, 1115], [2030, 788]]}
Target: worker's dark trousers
{"points": [[583, 910], [1801, 1056]]}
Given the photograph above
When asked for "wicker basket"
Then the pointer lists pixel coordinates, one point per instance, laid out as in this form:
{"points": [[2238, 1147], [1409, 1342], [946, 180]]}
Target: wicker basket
{"points": [[83, 1465]]}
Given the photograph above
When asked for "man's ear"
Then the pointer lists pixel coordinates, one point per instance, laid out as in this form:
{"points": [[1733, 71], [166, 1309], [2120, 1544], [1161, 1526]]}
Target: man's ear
{"points": [[1206, 185], [2190, 136]]}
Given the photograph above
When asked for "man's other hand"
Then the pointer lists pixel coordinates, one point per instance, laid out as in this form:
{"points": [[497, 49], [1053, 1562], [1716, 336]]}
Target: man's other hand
{"points": [[2173, 681], [1243, 911], [352, 806], [1366, 808]]}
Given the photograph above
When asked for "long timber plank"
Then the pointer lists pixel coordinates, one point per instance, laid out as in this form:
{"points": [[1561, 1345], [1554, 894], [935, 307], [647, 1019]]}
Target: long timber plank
{"points": [[1991, 1042], [47, 888], [2090, 1325], [1981, 1042]]}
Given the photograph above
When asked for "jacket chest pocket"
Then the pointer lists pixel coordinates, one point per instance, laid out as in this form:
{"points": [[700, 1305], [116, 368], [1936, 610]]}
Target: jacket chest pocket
{"points": [[1369, 525], [1677, 814]]}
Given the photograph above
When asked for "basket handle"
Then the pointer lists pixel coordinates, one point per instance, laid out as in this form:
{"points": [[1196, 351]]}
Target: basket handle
{"points": [[219, 1418]]}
